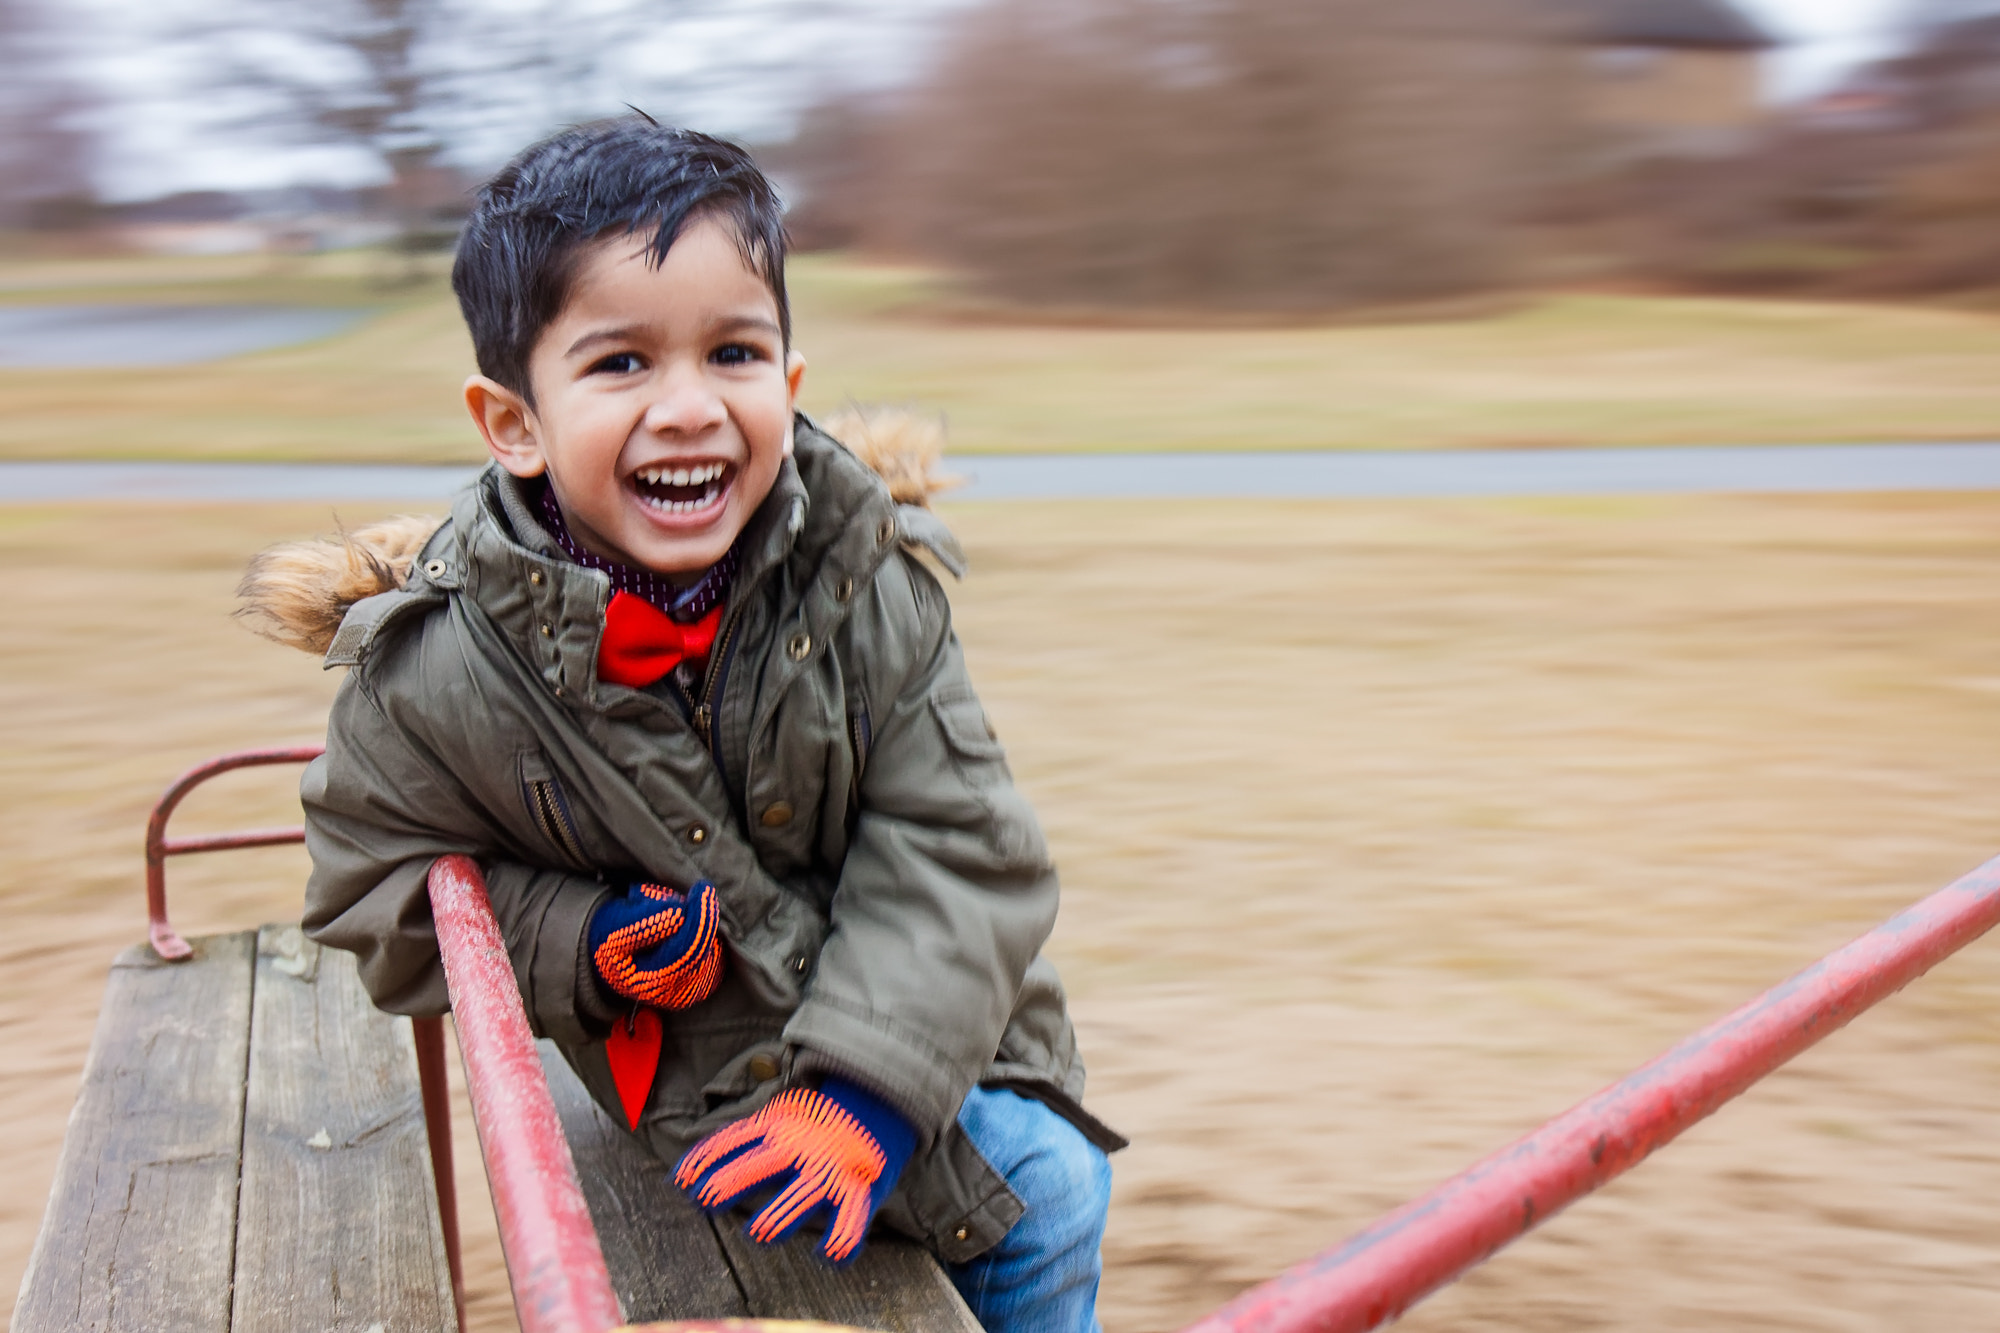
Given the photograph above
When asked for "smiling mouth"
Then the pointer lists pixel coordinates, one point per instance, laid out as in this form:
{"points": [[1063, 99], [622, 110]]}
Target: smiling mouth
{"points": [[683, 490]]}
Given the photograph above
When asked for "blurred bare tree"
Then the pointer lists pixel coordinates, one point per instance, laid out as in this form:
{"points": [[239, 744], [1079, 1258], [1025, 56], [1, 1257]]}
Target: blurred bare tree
{"points": [[1266, 154], [365, 74], [44, 148], [1943, 206], [380, 105], [1888, 185]]}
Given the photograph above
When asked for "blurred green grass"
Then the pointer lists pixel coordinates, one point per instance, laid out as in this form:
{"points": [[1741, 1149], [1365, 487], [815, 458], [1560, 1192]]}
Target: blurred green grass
{"points": [[1555, 371]]}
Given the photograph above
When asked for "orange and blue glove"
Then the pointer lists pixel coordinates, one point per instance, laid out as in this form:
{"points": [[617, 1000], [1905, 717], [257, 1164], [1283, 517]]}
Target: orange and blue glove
{"points": [[841, 1145], [661, 948]]}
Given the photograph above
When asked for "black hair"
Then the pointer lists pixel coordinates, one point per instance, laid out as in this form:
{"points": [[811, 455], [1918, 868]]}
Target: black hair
{"points": [[517, 256]]}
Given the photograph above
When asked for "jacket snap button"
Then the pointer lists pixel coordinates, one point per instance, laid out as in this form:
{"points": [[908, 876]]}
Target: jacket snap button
{"points": [[799, 963], [697, 834], [763, 1068], [535, 577], [434, 568], [843, 590], [885, 531], [799, 647], [548, 631], [776, 815], [960, 1234]]}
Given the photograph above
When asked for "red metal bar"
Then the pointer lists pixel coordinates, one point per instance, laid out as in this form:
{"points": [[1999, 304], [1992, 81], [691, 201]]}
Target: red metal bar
{"points": [[1382, 1271], [429, 1034], [226, 842], [554, 1262], [167, 943]]}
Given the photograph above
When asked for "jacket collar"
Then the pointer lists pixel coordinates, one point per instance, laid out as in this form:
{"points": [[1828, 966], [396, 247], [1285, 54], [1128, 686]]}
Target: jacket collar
{"points": [[826, 526]]}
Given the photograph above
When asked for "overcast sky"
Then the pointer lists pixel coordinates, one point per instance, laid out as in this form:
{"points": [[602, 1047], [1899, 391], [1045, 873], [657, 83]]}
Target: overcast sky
{"points": [[169, 130], [1829, 35]]}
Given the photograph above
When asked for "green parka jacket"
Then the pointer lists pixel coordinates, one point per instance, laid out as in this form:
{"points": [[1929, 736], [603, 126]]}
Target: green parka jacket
{"points": [[885, 890]]}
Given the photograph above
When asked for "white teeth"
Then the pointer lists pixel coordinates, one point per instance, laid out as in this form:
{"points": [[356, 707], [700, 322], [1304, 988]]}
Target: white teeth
{"points": [[680, 506], [685, 476]]}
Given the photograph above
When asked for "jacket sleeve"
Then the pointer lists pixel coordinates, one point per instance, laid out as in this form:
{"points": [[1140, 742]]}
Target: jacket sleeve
{"points": [[380, 808], [946, 894]]}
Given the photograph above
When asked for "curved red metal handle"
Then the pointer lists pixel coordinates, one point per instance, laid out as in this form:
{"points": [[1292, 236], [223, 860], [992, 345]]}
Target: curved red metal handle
{"points": [[167, 943]]}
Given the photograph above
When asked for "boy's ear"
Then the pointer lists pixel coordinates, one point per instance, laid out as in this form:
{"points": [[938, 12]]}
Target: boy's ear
{"points": [[795, 373], [507, 424]]}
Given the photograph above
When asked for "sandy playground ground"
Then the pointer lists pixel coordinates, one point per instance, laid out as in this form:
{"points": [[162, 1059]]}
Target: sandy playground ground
{"points": [[1387, 831]]}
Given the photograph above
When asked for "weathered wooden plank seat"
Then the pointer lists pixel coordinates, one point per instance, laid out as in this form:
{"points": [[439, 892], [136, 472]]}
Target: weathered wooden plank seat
{"points": [[247, 1152], [669, 1261], [250, 1151]]}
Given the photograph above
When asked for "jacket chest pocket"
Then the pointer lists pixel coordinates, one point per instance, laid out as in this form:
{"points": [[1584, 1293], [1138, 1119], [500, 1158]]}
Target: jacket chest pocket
{"points": [[976, 751], [549, 811]]}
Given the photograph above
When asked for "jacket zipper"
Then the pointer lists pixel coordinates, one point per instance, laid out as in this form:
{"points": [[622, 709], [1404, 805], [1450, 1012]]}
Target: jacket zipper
{"points": [[858, 728], [555, 820], [702, 711]]}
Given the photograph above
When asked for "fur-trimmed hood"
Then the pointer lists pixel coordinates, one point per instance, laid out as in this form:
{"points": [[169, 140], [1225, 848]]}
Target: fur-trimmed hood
{"points": [[297, 593]]}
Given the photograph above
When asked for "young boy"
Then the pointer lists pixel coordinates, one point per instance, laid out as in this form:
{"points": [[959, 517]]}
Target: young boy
{"points": [[673, 674]]}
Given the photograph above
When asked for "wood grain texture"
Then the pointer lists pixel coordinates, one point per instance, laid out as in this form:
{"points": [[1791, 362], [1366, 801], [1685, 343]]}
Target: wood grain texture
{"points": [[668, 1261], [142, 1219], [664, 1258], [894, 1284], [338, 1223]]}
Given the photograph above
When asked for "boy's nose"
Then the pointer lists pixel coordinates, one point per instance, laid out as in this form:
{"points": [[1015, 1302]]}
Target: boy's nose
{"points": [[685, 405]]}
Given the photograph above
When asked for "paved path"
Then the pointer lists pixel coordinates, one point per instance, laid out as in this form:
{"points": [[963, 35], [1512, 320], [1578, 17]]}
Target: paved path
{"points": [[194, 483], [83, 336], [1350, 475], [1365, 475]]}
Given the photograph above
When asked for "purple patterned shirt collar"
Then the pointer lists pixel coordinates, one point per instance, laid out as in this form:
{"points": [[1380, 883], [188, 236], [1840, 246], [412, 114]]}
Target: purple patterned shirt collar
{"points": [[683, 604]]}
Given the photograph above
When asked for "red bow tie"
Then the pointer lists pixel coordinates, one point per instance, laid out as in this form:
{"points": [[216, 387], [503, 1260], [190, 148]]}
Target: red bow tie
{"points": [[643, 643]]}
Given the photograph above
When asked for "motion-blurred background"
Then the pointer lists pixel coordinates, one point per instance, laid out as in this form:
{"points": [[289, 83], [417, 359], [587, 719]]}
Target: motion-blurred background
{"points": [[1234, 154], [1388, 828]]}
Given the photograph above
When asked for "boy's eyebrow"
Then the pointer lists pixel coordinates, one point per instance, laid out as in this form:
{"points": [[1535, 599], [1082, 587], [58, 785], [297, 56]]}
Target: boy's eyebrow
{"points": [[625, 332], [747, 321]]}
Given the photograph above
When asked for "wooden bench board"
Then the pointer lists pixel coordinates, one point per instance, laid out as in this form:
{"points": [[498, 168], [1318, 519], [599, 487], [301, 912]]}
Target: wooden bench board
{"points": [[247, 1152], [337, 1225], [669, 1261], [141, 1224]]}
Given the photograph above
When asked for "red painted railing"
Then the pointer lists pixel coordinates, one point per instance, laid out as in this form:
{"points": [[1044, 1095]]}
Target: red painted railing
{"points": [[553, 1259], [166, 942], [1423, 1245]]}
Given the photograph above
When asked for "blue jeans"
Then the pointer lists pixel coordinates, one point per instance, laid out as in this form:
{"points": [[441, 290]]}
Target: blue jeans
{"points": [[1042, 1276]]}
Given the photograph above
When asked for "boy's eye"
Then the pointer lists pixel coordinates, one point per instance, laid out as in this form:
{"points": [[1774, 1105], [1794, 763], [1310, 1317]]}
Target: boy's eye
{"points": [[618, 363], [735, 354]]}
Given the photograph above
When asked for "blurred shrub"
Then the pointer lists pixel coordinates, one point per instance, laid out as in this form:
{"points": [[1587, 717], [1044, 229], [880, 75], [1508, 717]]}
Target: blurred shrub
{"points": [[1904, 201], [1255, 154]]}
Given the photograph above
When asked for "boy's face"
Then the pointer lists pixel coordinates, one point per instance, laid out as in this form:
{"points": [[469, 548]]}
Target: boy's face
{"points": [[663, 401]]}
